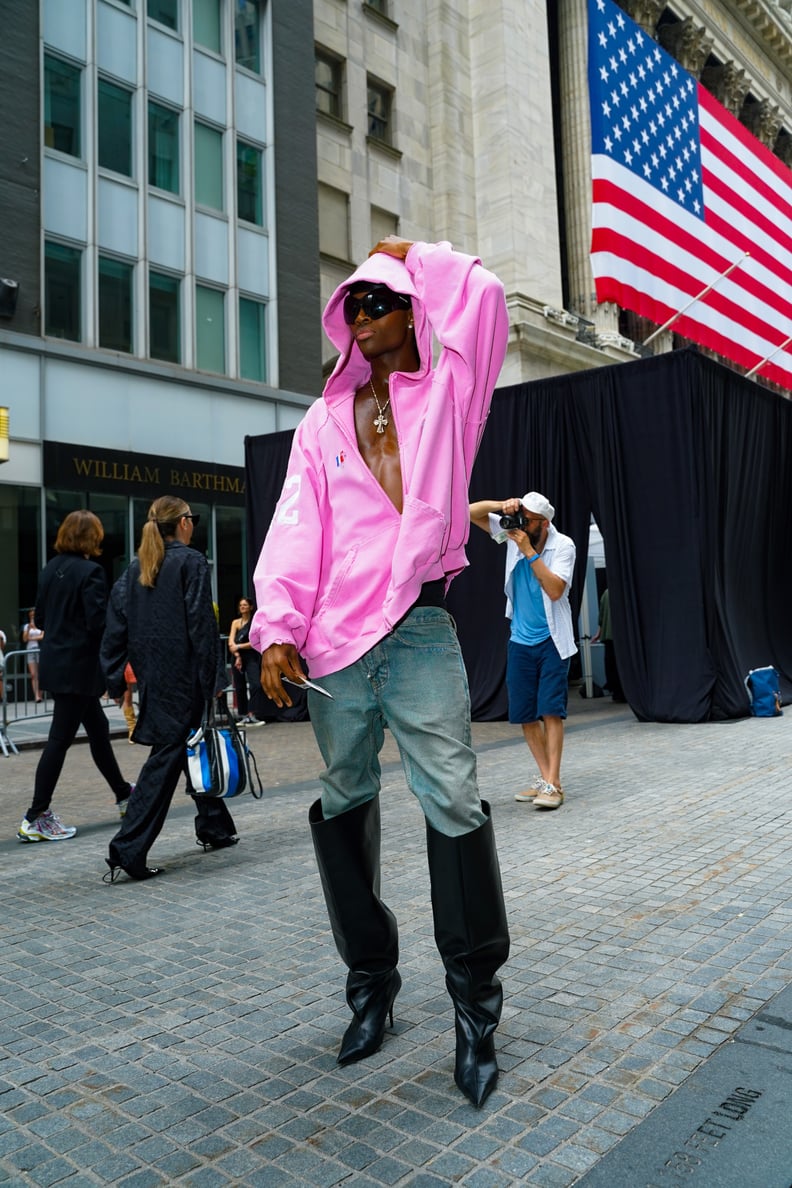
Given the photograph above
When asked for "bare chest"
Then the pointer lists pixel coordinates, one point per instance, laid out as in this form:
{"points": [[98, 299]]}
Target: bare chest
{"points": [[378, 445]]}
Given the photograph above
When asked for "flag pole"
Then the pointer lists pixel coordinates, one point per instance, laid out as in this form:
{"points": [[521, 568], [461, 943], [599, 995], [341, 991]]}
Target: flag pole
{"points": [[750, 374], [693, 300]]}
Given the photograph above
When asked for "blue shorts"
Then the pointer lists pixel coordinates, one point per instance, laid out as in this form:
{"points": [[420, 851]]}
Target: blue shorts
{"points": [[537, 680]]}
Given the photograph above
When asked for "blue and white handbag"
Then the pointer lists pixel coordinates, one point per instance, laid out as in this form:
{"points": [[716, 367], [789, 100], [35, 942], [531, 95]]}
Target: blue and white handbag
{"points": [[219, 762]]}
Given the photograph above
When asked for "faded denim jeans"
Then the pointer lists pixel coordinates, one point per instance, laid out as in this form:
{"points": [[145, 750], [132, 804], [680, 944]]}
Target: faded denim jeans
{"points": [[414, 682]]}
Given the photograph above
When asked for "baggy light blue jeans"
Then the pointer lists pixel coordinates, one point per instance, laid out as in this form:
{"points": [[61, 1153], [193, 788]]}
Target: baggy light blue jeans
{"points": [[414, 682]]}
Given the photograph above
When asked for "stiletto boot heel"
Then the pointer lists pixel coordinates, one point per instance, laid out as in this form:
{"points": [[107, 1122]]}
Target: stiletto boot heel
{"points": [[371, 997]]}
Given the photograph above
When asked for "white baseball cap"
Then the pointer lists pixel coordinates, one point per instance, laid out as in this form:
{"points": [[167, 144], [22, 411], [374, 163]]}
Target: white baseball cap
{"points": [[536, 503]]}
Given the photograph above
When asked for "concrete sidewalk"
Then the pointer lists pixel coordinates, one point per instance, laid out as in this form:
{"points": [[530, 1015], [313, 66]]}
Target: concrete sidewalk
{"points": [[184, 1031]]}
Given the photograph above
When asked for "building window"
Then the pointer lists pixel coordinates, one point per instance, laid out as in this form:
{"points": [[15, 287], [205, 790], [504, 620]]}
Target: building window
{"points": [[333, 222], [163, 147], [209, 329], [252, 339], [114, 127], [378, 5], [62, 291], [208, 167], [164, 318], [206, 24], [164, 11], [61, 106], [380, 100], [249, 184], [247, 34], [383, 223], [115, 305], [329, 78]]}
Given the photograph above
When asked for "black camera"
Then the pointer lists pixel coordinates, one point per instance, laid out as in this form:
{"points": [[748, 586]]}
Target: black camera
{"points": [[513, 523]]}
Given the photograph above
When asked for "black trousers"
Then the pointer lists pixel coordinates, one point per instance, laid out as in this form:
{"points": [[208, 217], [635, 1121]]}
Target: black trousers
{"points": [[70, 711], [149, 804], [239, 679]]}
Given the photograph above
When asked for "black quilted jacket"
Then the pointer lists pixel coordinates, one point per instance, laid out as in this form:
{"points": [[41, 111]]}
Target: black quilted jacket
{"points": [[169, 635]]}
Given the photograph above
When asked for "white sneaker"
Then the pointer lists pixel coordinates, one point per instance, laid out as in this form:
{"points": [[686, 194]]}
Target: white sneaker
{"points": [[47, 827]]}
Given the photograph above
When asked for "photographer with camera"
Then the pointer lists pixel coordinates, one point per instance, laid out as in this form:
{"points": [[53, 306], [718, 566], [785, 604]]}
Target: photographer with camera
{"points": [[539, 565]]}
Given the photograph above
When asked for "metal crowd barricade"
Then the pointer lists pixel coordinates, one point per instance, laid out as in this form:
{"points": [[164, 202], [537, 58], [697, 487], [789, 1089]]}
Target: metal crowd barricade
{"points": [[19, 703]]}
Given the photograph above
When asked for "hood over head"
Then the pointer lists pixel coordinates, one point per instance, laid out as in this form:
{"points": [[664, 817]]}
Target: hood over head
{"points": [[352, 369]]}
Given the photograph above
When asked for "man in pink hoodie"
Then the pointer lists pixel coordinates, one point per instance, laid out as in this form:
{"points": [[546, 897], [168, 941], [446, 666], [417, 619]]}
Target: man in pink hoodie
{"points": [[369, 531]]}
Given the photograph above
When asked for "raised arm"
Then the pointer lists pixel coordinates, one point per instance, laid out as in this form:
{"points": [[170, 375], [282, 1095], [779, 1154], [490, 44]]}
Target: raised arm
{"points": [[483, 508]]}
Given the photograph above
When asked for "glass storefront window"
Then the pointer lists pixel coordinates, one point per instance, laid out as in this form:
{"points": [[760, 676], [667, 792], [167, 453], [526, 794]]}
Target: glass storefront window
{"points": [[231, 564], [112, 511], [20, 548], [220, 536]]}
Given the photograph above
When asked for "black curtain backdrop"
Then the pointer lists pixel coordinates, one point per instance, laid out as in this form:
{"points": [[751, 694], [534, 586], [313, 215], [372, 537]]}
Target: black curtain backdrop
{"points": [[266, 462], [683, 464]]}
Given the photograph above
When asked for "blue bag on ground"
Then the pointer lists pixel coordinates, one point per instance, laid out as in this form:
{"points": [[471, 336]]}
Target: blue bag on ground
{"points": [[764, 692]]}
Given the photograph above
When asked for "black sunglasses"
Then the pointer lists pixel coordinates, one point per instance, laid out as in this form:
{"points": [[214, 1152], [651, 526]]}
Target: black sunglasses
{"points": [[375, 304], [195, 519]]}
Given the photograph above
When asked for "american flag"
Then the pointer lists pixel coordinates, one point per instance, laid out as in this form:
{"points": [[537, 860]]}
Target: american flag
{"points": [[681, 192]]}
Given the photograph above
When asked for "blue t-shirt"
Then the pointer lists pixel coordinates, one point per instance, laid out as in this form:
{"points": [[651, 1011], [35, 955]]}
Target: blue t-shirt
{"points": [[529, 621]]}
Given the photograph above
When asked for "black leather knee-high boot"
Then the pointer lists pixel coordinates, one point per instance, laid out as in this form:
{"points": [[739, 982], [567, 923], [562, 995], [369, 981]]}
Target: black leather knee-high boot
{"points": [[365, 932], [473, 939]]}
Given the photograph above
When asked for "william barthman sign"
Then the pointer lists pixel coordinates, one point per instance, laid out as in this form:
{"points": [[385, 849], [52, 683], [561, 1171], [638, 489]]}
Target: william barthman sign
{"points": [[87, 468]]}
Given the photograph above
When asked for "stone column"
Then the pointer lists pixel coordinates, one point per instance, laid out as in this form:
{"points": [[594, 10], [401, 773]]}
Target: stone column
{"points": [[576, 149], [513, 153]]}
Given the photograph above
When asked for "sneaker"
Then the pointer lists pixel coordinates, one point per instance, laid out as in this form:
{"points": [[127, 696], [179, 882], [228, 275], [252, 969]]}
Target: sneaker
{"points": [[550, 797], [531, 791], [47, 827]]}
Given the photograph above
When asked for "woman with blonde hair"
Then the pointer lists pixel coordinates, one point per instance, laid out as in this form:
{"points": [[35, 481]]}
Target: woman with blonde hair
{"points": [[162, 622], [71, 605]]}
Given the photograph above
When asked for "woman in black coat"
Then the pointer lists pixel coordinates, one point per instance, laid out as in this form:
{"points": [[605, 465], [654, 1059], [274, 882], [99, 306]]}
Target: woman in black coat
{"points": [[71, 605], [161, 619]]}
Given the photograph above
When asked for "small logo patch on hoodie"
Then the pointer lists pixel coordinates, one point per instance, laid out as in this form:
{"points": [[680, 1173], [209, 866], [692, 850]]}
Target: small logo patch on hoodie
{"points": [[340, 459]]}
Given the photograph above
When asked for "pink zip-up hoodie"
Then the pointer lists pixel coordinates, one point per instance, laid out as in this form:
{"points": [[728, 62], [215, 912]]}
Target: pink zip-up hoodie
{"points": [[340, 565]]}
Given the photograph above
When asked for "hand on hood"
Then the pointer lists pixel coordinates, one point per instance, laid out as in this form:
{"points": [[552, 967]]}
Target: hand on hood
{"points": [[391, 245]]}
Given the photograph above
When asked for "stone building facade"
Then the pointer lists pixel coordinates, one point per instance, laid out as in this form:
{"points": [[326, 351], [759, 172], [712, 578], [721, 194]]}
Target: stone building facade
{"points": [[469, 121]]}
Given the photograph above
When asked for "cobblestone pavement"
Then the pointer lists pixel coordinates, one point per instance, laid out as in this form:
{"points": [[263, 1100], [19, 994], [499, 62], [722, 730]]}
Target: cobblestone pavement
{"points": [[184, 1031]]}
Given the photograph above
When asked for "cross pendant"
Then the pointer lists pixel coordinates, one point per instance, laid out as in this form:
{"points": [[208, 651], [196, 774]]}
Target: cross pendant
{"points": [[381, 421]]}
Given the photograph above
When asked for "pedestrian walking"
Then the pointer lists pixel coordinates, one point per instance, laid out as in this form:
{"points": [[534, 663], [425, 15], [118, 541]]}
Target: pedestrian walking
{"points": [[71, 605], [161, 621]]}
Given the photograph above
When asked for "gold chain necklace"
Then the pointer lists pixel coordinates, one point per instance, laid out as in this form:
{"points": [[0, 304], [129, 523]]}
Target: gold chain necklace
{"points": [[380, 421]]}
